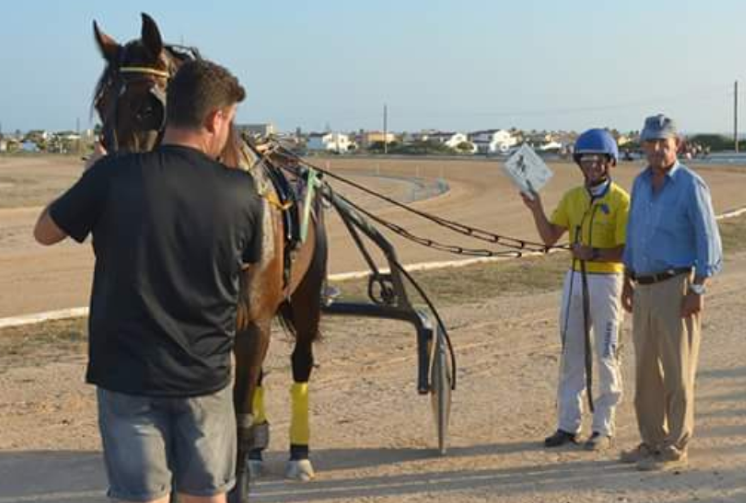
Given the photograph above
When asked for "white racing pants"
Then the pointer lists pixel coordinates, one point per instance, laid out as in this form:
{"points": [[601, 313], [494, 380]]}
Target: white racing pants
{"points": [[604, 292]]}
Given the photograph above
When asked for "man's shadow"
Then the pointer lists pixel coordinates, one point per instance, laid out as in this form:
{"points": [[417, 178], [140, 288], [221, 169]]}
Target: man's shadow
{"points": [[52, 476]]}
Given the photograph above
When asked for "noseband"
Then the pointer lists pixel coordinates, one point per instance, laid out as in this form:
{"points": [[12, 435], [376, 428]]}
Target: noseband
{"points": [[118, 82]]}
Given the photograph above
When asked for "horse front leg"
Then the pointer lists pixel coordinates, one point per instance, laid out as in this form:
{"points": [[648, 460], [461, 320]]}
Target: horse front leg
{"points": [[259, 430], [250, 349]]}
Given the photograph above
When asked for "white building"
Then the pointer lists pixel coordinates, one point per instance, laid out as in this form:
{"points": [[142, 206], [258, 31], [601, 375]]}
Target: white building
{"points": [[257, 130], [328, 142], [493, 141], [550, 145], [451, 140]]}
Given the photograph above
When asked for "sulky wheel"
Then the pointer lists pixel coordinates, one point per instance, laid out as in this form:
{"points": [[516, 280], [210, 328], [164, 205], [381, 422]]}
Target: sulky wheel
{"points": [[440, 388]]}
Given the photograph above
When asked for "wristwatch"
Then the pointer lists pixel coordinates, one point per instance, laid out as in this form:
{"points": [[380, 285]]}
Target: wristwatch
{"points": [[697, 288]]}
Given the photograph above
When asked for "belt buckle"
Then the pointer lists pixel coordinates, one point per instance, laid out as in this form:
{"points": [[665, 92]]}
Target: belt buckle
{"points": [[668, 274]]}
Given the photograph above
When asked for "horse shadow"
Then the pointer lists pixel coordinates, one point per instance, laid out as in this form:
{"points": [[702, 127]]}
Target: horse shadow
{"points": [[348, 459], [517, 481], [542, 481]]}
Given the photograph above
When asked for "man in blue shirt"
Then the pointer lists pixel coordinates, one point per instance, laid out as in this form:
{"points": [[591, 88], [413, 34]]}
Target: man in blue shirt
{"points": [[673, 247]]}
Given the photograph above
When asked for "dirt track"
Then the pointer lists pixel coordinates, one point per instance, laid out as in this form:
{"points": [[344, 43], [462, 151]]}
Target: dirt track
{"points": [[44, 279], [373, 437]]}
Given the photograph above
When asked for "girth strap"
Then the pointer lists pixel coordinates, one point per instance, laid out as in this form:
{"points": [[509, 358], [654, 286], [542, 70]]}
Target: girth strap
{"points": [[284, 198]]}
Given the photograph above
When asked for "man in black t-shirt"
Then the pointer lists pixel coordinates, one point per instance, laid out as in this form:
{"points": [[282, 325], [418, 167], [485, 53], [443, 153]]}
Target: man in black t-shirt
{"points": [[172, 230]]}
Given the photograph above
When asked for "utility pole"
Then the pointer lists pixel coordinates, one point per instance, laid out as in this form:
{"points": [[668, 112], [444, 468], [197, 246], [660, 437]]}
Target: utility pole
{"points": [[735, 116], [79, 141], [385, 130]]}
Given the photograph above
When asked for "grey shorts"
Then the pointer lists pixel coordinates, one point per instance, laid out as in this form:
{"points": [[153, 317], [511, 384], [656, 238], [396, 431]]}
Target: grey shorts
{"points": [[153, 445]]}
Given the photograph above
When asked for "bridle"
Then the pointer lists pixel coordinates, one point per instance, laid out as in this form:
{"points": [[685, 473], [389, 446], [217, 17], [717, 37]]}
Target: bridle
{"points": [[118, 81]]}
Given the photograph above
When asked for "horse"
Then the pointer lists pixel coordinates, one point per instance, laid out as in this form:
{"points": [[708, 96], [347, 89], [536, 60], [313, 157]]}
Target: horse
{"points": [[130, 101]]}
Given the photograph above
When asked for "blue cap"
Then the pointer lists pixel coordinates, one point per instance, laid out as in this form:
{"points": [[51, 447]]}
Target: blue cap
{"points": [[658, 127]]}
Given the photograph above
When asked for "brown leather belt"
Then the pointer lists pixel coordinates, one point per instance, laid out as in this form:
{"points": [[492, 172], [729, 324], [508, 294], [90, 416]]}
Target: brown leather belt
{"points": [[649, 279]]}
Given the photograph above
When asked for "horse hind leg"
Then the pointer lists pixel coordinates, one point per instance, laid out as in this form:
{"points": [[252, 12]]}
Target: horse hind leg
{"points": [[299, 466], [304, 312]]}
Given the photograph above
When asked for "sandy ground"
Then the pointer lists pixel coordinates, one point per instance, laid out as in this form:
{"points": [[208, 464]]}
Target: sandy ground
{"points": [[373, 436]]}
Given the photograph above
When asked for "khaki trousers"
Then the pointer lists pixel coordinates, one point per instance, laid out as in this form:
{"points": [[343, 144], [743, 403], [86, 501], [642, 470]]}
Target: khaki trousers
{"points": [[666, 353]]}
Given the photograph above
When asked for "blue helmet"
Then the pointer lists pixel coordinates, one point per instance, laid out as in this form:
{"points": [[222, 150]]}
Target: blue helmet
{"points": [[596, 141]]}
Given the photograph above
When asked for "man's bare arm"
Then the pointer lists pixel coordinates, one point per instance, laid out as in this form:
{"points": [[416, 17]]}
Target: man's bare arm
{"points": [[47, 232], [549, 232]]}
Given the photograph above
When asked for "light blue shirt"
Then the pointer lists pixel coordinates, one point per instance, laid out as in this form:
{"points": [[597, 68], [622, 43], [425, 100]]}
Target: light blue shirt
{"points": [[674, 228]]}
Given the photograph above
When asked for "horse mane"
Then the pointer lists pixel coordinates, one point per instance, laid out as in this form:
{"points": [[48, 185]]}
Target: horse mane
{"points": [[102, 86]]}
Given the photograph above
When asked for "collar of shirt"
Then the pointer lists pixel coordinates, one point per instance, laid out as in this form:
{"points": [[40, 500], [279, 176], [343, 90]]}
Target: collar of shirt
{"points": [[671, 174], [599, 190]]}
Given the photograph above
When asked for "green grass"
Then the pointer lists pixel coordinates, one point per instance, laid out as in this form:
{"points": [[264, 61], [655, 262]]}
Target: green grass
{"points": [[733, 234], [45, 342], [463, 285]]}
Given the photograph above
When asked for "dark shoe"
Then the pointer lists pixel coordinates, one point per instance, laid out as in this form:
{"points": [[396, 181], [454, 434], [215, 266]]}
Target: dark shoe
{"points": [[560, 437], [597, 442]]}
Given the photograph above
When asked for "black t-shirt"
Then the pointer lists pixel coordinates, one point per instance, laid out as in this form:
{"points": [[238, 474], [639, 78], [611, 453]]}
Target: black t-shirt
{"points": [[171, 230]]}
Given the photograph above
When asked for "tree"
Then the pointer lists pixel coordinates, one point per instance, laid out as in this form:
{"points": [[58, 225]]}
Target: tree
{"points": [[465, 147], [714, 142]]}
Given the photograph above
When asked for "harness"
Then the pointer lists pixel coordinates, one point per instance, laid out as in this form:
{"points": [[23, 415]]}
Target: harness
{"points": [[283, 196], [116, 82], [588, 352]]}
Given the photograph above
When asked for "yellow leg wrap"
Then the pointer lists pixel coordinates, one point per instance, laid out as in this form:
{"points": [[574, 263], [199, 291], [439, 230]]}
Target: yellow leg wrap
{"points": [[260, 414], [299, 429]]}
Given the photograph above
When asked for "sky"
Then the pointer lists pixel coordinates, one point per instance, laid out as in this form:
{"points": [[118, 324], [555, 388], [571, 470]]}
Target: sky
{"points": [[435, 64]]}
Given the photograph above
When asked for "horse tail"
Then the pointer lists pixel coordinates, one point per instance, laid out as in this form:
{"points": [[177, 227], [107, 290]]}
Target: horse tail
{"points": [[285, 318]]}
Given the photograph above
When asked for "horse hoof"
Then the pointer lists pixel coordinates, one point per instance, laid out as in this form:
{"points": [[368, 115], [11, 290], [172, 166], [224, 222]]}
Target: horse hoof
{"points": [[300, 469], [256, 468]]}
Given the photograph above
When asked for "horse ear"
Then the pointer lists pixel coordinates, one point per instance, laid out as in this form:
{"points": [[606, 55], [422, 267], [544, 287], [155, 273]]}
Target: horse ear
{"points": [[151, 36], [108, 46]]}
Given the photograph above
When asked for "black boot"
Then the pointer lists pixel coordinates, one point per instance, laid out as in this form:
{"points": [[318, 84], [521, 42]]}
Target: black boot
{"points": [[560, 437]]}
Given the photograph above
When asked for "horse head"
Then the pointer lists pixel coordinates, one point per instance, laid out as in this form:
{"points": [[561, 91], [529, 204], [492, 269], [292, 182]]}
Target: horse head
{"points": [[130, 97]]}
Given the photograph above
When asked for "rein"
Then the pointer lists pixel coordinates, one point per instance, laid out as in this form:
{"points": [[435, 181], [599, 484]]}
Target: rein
{"points": [[517, 247]]}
